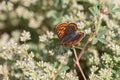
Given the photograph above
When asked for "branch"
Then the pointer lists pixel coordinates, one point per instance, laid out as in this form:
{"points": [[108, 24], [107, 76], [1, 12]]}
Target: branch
{"points": [[76, 61], [83, 49], [88, 41]]}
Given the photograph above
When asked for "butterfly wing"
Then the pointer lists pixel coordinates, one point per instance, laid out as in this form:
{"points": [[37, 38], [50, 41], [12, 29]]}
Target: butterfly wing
{"points": [[73, 38], [65, 29], [61, 30], [73, 25]]}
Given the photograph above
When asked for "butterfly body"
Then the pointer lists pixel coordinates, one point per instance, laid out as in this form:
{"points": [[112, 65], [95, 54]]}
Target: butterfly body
{"points": [[68, 34]]}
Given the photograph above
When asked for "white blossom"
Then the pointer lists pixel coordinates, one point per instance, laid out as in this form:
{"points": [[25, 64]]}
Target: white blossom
{"points": [[25, 35]]}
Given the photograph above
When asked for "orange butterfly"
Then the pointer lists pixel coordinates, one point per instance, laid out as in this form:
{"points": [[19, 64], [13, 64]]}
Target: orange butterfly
{"points": [[68, 34]]}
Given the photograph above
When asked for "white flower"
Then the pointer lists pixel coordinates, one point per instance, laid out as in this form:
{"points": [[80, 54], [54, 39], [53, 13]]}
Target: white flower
{"points": [[33, 23], [20, 11], [51, 52], [81, 25], [23, 48], [117, 59], [25, 36], [69, 53], [63, 59], [88, 31], [3, 6], [28, 2], [94, 68], [50, 34], [43, 38], [92, 76], [28, 14], [106, 58], [81, 15], [4, 38], [105, 74], [96, 60], [10, 6]]}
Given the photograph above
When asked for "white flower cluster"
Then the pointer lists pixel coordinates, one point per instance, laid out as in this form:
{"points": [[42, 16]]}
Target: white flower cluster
{"points": [[12, 48], [111, 35], [63, 59], [34, 19], [6, 6], [47, 36], [51, 52], [68, 76], [106, 58], [99, 73], [74, 18], [40, 70], [65, 2], [9, 49], [25, 35], [103, 74], [27, 3]]}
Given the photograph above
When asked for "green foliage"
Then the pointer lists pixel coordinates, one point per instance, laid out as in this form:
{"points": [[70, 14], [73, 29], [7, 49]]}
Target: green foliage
{"points": [[64, 68], [99, 37], [113, 10], [94, 10]]}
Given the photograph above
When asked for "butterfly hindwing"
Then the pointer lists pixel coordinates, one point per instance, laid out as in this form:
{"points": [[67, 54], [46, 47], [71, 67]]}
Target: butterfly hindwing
{"points": [[73, 39]]}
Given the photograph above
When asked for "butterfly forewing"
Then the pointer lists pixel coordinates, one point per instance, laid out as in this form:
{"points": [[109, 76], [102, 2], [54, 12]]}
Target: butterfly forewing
{"points": [[61, 30], [73, 25]]}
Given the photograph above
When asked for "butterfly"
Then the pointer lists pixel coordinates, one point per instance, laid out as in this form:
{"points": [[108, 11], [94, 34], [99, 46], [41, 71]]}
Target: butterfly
{"points": [[68, 34]]}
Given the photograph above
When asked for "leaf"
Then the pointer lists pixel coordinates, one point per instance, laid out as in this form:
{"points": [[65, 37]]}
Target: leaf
{"points": [[101, 33], [64, 68], [112, 7], [58, 2], [113, 10], [102, 40], [95, 40], [55, 64], [33, 47], [51, 13], [92, 11], [96, 9], [116, 10]]}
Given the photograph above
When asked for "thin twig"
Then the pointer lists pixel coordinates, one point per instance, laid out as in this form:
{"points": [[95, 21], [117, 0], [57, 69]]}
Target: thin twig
{"points": [[76, 60], [84, 47], [78, 47], [75, 53], [79, 66]]}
